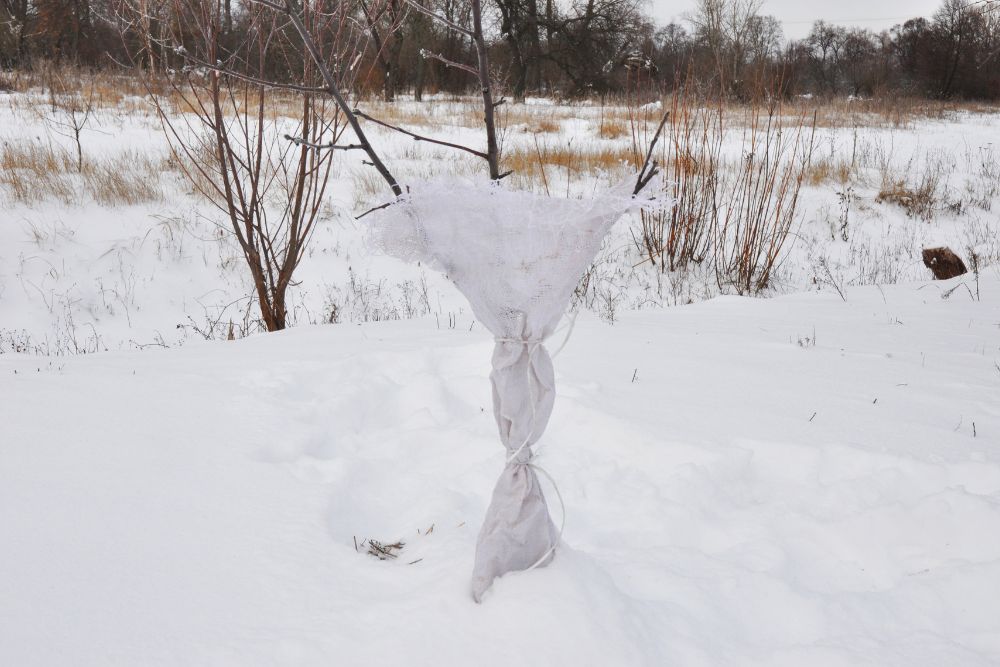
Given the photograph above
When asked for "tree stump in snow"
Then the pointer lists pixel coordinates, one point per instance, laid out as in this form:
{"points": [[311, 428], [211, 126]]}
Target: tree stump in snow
{"points": [[943, 263]]}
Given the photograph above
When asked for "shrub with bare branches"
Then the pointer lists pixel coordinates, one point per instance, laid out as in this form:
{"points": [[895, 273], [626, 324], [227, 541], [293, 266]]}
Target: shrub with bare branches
{"points": [[737, 214], [265, 174], [760, 199], [691, 155]]}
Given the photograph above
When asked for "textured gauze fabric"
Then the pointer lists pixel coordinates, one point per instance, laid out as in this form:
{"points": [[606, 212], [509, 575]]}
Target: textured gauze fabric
{"points": [[517, 257]]}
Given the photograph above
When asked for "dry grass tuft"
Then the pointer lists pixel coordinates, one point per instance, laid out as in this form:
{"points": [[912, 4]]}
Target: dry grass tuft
{"points": [[409, 115], [32, 172], [613, 128], [545, 165], [368, 188], [925, 195], [830, 170], [544, 126], [125, 180], [918, 202]]}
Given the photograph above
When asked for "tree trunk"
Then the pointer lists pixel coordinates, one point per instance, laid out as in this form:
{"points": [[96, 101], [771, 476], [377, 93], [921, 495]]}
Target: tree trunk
{"points": [[389, 85], [520, 71], [533, 74], [482, 54], [418, 84]]}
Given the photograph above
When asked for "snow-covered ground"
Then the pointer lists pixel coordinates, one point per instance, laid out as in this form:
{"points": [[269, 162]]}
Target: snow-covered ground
{"points": [[801, 480], [81, 275], [796, 481]]}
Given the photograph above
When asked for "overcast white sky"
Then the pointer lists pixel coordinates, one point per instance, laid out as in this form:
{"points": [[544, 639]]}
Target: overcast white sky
{"points": [[798, 15]]}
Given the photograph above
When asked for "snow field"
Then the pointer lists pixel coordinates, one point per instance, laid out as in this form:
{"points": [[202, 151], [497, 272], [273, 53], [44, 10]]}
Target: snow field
{"points": [[78, 276], [802, 480], [734, 493]]}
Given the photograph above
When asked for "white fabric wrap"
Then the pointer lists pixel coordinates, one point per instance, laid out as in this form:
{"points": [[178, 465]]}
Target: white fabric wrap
{"points": [[517, 532], [517, 257]]}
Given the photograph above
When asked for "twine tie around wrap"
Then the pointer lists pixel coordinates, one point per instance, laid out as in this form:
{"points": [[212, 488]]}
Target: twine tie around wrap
{"points": [[533, 344]]}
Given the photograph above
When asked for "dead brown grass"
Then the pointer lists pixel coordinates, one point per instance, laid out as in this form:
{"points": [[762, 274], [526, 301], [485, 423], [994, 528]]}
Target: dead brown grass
{"points": [[368, 189], [119, 89], [544, 126], [542, 163], [533, 144], [883, 111], [125, 180], [532, 118], [613, 128], [32, 172], [830, 170], [918, 201], [921, 194], [408, 115]]}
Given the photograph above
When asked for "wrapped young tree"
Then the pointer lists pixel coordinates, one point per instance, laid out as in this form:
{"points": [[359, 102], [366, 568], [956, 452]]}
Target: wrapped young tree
{"points": [[517, 256]]}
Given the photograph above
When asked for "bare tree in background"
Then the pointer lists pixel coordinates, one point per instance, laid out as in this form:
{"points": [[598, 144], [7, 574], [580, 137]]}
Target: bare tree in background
{"points": [[386, 21], [21, 15], [727, 28], [70, 111], [229, 139], [519, 28], [590, 39], [421, 32]]}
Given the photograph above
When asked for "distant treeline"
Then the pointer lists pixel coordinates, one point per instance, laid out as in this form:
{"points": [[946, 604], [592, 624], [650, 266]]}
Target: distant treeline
{"points": [[574, 48]]}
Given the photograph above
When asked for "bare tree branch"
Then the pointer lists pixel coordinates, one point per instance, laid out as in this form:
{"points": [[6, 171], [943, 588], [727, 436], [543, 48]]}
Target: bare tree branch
{"points": [[299, 141], [333, 89], [643, 179], [419, 137], [376, 208], [251, 79], [440, 19], [424, 53]]}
